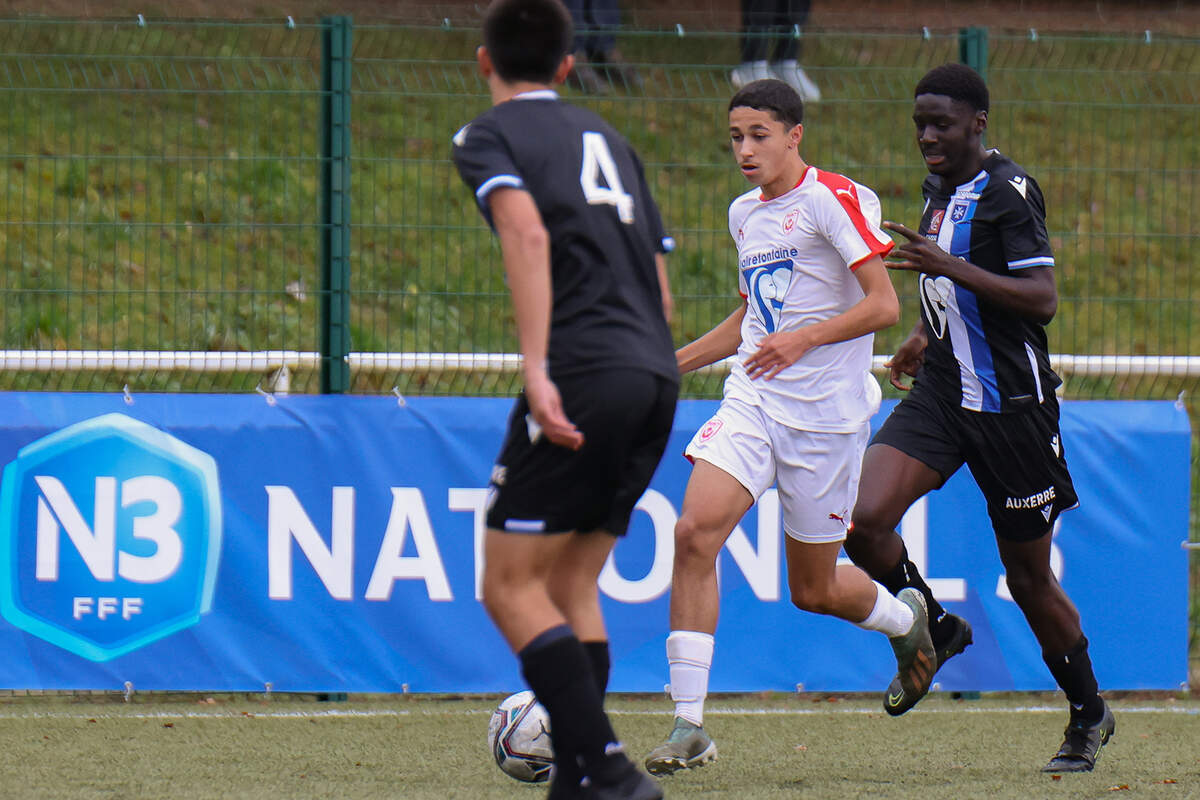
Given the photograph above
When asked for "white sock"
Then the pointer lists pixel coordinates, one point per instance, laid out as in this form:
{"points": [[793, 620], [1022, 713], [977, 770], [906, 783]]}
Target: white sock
{"points": [[689, 657], [890, 615]]}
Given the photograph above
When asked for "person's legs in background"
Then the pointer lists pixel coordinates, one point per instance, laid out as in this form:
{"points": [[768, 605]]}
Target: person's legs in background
{"points": [[791, 17], [758, 17]]}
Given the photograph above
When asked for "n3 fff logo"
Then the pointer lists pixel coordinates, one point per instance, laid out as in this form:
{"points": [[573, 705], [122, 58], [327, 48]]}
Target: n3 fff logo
{"points": [[110, 533]]}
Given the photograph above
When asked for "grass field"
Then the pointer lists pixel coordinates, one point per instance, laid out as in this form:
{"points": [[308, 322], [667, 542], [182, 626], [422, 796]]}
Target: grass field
{"points": [[421, 748]]}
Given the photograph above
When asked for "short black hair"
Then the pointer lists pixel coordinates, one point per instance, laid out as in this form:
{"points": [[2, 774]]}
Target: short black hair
{"points": [[958, 82], [527, 39], [774, 96]]}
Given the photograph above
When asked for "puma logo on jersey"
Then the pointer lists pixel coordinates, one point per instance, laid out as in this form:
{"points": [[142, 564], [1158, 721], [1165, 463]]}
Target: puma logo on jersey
{"points": [[1018, 183]]}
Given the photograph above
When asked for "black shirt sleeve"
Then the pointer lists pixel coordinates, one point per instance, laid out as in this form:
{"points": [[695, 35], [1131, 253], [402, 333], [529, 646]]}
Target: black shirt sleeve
{"points": [[1022, 224], [485, 162]]}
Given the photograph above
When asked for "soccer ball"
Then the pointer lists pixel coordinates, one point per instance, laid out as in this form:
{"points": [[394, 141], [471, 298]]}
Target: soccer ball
{"points": [[519, 737]]}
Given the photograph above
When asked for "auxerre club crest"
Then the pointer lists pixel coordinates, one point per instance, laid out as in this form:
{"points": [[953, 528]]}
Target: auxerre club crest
{"points": [[110, 535]]}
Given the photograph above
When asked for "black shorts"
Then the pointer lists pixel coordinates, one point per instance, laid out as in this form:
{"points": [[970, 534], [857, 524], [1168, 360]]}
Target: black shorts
{"points": [[1017, 459], [539, 487]]}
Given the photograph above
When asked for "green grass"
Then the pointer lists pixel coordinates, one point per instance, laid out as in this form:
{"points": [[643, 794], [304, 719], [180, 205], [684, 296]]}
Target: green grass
{"points": [[807, 746]]}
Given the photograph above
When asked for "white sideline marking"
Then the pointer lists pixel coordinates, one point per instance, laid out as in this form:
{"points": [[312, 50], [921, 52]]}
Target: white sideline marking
{"points": [[350, 713]]}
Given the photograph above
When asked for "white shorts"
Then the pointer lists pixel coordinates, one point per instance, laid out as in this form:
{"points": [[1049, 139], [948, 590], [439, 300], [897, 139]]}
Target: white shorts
{"points": [[817, 473]]}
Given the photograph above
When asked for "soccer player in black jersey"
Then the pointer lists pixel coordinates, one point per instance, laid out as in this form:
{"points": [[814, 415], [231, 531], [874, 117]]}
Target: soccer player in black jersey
{"points": [[984, 395], [582, 246]]}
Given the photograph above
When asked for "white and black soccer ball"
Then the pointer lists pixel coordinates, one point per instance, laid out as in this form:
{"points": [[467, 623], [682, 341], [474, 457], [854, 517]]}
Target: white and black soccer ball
{"points": [[519, 737]]}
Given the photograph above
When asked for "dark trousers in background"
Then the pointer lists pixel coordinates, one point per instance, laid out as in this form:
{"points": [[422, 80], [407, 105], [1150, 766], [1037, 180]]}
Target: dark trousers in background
{"points": [[595, 21], [767, 21]]}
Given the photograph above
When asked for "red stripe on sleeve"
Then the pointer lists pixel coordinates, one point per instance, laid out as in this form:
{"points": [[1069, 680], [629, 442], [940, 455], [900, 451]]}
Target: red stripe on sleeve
{"points": [[847, 196]]}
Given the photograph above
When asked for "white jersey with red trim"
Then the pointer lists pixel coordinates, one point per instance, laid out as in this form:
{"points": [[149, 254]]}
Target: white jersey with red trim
{"points": [[796, 259]]}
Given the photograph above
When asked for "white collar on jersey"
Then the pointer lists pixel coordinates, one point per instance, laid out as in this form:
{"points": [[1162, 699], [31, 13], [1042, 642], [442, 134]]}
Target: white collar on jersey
{"points": [[537, 94]]}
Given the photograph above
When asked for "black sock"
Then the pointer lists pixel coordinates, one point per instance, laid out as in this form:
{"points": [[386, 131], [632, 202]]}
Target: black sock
{"points": [[601, 664], [567, 772], [557, 668], [1073, 672], [906, 574]]}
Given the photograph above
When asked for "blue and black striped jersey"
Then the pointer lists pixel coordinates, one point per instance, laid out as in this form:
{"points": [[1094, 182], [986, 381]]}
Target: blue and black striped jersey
{"points": [[981, 356]]}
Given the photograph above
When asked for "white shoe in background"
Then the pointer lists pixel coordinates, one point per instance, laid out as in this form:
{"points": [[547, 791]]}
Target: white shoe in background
{"points": [[749, 71], [793, 74]]}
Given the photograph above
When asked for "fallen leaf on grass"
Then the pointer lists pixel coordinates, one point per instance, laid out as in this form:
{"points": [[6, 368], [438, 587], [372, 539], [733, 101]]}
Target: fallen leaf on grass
{"points": [[1167, 780], [168, 724], [800, 748], [1121, 787], [1056, 777]]}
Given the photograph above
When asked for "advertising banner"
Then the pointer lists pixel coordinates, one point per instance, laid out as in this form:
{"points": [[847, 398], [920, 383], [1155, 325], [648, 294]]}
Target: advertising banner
{"points": [[333, 544]]}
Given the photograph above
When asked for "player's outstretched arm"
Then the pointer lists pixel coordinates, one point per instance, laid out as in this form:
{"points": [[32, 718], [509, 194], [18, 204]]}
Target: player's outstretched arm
{"points": [[721, 342], [1029, 292], [525, 244], [878, 309]]}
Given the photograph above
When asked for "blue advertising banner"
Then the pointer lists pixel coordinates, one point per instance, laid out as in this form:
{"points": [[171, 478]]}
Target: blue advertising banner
{"points": [[321, 544]]}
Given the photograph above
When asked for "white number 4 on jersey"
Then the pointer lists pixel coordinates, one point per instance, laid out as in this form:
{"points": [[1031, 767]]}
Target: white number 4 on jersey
{"points": [[598, 163]]}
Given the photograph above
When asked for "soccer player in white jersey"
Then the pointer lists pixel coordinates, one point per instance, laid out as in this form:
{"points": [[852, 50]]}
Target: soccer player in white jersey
{"points": [[796, 409]]}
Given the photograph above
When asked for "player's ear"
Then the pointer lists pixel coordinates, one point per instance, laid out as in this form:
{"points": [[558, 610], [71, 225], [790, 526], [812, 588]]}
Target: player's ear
{"points": [[564, 69], [981, 121], [795, 135], [485, 61]]}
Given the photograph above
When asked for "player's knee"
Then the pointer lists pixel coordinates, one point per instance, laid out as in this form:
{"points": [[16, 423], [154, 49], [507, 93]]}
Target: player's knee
{"points": [[570, 595], [694, 541], [817, 599], [869, 523], [1027, 585], [498, 591]]}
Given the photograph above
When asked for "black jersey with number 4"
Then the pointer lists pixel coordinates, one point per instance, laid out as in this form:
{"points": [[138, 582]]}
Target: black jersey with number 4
{"points": [[980, 355], [604, 228]]}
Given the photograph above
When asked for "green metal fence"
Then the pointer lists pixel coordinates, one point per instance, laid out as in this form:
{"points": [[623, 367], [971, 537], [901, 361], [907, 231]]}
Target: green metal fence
{"points": [[189, 206]]}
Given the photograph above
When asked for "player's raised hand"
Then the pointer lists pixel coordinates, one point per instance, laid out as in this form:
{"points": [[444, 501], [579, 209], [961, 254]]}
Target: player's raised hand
{"points": [[919, 254], [777, 352], [545, 404], [907, 361]]}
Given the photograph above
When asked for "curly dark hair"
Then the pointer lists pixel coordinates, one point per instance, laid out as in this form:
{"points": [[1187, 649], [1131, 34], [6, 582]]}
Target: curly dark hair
{"points": [[958, 82]]}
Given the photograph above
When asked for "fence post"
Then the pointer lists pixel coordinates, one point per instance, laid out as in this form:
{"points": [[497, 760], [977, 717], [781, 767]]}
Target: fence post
{"points": [[335, 203], [973, 49]]}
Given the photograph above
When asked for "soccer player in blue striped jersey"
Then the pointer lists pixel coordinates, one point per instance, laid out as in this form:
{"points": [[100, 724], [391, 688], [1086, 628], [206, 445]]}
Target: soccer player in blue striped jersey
{"points": [[983, 395]]}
